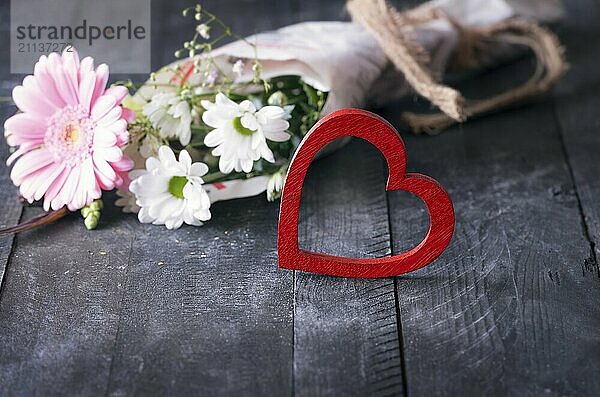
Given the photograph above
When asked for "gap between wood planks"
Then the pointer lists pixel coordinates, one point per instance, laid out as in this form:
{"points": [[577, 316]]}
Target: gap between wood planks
{"points": [[397, 302], [584, 224], [120, 318], [12, 245], [14, 210]]}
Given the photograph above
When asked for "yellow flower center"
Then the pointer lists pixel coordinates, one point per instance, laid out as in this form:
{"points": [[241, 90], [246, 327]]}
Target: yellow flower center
{"points": [[71, 134]]}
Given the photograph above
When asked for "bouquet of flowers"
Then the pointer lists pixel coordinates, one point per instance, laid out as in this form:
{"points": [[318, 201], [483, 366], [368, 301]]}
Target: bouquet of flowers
{"points": [[75, 138], [221, 123]]}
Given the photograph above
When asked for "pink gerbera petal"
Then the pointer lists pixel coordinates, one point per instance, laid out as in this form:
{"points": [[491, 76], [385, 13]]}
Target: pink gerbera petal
{"points": [[86, 66], [91, 184], [29, 163], [46, 82], [101, 80], [32, 182], [27, 102], [24, 148], [128, 115], [33, 90], [104, 105], [66, 87], [71, 65], [26, 125], [86, 90], [50, 178], [118, 91], [54, 189], [65, 197]]}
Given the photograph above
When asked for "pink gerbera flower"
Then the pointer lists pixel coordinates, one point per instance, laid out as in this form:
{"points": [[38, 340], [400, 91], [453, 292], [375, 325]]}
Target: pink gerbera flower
{"points": [[69, 134]]}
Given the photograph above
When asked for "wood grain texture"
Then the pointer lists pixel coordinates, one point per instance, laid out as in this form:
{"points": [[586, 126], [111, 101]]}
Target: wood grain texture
{"points": [[576, 106], [346, 335], [509, 308], [59, 311], [206, 311], [375, 130]]}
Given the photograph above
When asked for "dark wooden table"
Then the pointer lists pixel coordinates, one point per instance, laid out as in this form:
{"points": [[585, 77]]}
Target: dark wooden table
{"points": [[511, 308]]}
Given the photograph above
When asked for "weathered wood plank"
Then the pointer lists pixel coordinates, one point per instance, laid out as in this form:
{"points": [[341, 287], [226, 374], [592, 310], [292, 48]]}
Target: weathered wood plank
{"points": [[576, 105], [205, 310], [170, 29], [510, 307], [59, 311], [226, 322], [346, 335]]}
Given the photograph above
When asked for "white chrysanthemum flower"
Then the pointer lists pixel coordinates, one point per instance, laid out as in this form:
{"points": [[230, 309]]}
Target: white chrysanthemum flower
{"points": [[275, 185], [170, 192], [240, 132], [170, 114]]}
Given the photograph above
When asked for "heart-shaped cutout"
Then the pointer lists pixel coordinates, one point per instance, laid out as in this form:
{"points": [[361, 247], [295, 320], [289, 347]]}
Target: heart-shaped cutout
{"points": [[377, 131]]}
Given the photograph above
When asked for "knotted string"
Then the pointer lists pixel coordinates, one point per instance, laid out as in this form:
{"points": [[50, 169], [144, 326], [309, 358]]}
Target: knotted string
{"points": [[392, 29]]}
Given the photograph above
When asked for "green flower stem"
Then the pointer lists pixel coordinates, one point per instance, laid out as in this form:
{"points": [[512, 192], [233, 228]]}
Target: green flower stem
{"points": [[201, 128], [213, 177]]}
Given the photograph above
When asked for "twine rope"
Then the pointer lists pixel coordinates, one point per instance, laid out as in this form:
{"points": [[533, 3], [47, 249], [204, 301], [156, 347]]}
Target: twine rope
{"points": [[392, 29]]}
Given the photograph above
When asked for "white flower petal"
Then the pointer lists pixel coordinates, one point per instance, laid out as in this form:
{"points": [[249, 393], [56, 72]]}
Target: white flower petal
{"points": [[277, 136], [166, 155], [198, 169], [247, 106], [271, 112], [185, 160], [249, 121], [214, 138]]}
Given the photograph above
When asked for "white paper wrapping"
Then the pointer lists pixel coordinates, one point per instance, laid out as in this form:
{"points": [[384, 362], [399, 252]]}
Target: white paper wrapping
{"points": [[347, 62]]}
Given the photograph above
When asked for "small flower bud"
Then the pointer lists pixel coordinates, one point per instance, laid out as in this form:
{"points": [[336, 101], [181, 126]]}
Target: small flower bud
{"points": [[97, 205], [85, 211], [91, 222], [198, 16], [91, 214], [278, 98], [203, 30]]}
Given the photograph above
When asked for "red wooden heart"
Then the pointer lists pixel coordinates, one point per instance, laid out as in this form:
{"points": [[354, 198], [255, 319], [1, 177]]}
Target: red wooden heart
{"points": [[368, 126]]}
